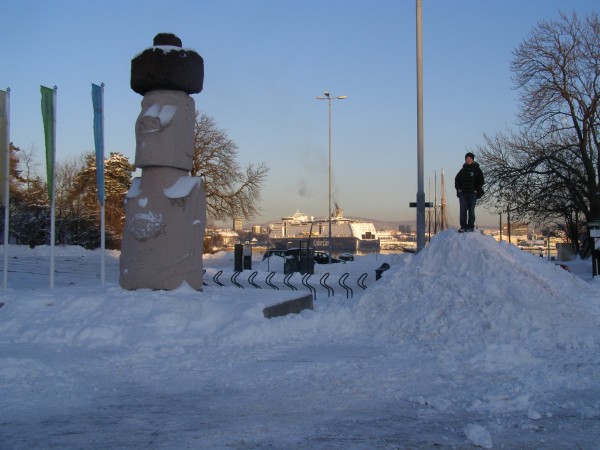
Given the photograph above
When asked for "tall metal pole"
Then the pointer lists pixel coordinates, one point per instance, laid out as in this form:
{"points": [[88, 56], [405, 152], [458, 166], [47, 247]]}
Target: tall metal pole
{"points": [[327, 97], [420, 183], [6, 199], [329, 243], [102, 208], [53, 199]]}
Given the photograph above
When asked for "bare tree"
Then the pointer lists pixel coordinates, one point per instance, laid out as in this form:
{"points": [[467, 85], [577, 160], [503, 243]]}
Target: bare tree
{"points": [[230, 191], [65, 177], [28, 199], [549, 169]]}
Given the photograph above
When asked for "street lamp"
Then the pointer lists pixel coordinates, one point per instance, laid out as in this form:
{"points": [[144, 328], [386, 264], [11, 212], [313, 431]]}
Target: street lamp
{"points": [[329, 98]]}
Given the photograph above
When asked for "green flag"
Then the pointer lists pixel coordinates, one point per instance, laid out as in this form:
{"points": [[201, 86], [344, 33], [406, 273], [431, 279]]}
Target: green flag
{"points": [[48, 111], [3, 144]]}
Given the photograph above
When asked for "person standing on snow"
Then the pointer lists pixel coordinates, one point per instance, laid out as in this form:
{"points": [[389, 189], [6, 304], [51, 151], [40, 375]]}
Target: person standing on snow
{"points": [[469, 187]]}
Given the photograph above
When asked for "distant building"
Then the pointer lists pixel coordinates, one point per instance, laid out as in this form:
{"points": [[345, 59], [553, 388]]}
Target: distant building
{"points": [[257, 230], [405, 229], [228, 237], [219, 239], [237, 224], [516, 229]]}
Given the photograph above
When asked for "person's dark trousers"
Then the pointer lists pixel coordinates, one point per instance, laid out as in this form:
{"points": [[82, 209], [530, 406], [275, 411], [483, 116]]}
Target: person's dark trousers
{"points": [[467, 209]]}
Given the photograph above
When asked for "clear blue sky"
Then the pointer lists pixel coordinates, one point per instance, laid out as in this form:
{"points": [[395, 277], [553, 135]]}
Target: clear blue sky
{"points": [[266, 61]]}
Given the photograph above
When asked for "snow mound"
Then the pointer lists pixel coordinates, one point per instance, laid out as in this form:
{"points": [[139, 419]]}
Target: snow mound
{"points": [[467, 291]]}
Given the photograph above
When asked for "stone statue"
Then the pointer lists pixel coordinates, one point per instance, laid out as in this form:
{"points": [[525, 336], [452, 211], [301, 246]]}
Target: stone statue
{"points": [[165, 208]]}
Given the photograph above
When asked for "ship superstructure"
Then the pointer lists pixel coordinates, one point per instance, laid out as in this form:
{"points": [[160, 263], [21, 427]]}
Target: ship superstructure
{"points": [[347, 235]]}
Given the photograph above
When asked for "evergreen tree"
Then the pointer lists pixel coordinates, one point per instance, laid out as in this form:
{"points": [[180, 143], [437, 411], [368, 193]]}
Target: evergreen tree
{"points": [[117, 179]]}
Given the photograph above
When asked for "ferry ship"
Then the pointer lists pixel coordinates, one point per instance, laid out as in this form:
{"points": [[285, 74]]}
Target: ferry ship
{"points": [[347, 235]]}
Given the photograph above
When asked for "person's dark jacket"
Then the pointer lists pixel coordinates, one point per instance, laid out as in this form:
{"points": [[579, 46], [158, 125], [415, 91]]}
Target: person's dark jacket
{"points": [[469, 179]]}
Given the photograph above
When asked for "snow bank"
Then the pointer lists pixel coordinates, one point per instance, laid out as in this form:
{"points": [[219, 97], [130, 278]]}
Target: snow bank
{"points": [[467, 291]]}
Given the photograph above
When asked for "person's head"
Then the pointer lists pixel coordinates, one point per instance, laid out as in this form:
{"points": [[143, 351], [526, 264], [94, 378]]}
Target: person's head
{"points": [[469, 158]]}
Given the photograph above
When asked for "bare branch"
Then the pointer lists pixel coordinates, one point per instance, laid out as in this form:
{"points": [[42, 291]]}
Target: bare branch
{"points": [[230, 191]]}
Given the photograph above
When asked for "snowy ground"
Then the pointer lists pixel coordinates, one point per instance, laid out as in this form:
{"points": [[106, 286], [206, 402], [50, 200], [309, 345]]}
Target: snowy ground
{"points": [[468, 344]]}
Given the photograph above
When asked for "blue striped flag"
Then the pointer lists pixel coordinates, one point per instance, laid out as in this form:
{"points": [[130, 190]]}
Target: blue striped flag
{"points": [[98, 103]]}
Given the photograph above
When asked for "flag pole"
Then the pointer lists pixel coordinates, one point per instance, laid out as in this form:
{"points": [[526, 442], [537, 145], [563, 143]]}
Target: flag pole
{"points": [[49, 119], [6, 190], [53, 196], [102, 209], [98, 107]]}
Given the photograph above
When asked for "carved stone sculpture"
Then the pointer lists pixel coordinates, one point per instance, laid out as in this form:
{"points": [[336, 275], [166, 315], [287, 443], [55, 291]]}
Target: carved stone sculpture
{"points": [[165, 208]]}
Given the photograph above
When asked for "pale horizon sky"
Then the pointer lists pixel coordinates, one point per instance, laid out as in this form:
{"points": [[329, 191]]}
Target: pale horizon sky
{"points": [[266, 61]]}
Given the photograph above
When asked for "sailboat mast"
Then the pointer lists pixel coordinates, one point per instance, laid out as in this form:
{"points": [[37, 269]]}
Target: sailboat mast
{"points": [[435, 209], [444, 220]]}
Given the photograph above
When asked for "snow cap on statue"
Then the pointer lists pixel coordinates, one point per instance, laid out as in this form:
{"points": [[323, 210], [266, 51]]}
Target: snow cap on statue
{"points": [[167, 66], [470, 155]]}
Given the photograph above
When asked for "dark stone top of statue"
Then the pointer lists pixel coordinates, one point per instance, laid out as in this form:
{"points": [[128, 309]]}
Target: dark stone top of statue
{"points": [[167, 65]]}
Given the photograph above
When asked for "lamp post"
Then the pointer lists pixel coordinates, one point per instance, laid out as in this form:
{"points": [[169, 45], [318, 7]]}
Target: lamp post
{"points": [[420, 184], [329, 98]]}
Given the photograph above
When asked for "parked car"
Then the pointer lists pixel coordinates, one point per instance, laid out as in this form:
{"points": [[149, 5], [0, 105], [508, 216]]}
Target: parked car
{"points": [[323, 258], [319, 256], [273, 252]]}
